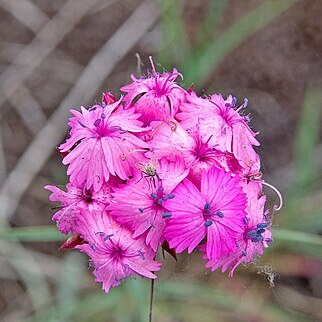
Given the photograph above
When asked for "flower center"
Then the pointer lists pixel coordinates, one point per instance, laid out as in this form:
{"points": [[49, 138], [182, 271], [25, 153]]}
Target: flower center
{"points": [[210, 216], [102, 129], [159, 197], [162, 84], [202, 152], [229, 113], [117, 252], [87, 195]]}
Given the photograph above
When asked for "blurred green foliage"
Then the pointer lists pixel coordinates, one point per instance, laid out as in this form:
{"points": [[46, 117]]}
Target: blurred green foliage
{"points": [[198, 61]]}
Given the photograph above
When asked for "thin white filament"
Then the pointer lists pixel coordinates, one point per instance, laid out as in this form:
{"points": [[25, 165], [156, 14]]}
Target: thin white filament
{"points": [[279, 207]]}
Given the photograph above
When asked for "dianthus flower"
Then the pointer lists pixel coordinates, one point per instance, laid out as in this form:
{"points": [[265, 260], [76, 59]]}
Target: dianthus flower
{"points": [[217, 118], [114, 253], [203, 155], [216, 211], [74, 200], [139, 204], [156, 98], [256, 235], [104, 144], [162, 166], [169, 140]]}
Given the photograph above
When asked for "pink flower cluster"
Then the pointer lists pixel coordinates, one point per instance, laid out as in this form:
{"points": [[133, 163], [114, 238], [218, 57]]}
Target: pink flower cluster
{"points": [[161, 166]]}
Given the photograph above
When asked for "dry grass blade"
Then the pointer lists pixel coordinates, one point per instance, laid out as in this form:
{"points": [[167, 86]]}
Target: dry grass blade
{"points": [[3, 166], [58, 65], [26, 12], [49, 266], [91, 79], [42, 45], [28, 109], [102, 5], [20, 260]]}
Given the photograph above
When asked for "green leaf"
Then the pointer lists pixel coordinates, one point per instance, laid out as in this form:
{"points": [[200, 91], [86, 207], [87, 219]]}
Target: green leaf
{"points": [[299, 242], [208, 28], [305, 144], [175, 47], [220, 299], [199, 68], [84, 309], [69, 282], [286, 237], [32, 234]]}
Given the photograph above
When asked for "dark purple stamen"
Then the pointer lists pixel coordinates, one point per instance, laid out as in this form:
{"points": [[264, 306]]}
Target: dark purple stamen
{"points": [[260, 231], [81, 124], [268, 240], [168, 196], [93, 246], [92, 109], [246, 220], [234, 102], [208, 223], [166, 215], [220, 214], [141, 254], [103, 116], [244, 253], [252, 233], [141, 210], [257, 239], [262, 225], [97, 122], [100, 233], [206, 207], [115, 128], [126, 271], [106, 237], [154, 196]]}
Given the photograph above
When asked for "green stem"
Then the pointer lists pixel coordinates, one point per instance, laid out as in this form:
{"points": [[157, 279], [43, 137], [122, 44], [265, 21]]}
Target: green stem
{"points": [[151, 299]]}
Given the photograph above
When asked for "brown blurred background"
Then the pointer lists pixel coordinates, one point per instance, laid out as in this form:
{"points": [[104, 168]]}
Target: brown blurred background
{"points": [[56, 55]]}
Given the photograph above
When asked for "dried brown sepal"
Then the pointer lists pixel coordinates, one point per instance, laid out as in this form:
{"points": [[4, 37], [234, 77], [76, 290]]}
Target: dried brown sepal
{"points": [[62, 154], [108, 98], [165, 246], [191, 88], [73, 241]]}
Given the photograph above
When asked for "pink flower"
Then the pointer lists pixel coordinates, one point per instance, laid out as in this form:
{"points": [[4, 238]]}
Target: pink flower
{"points": [[216, 211], [203, 155], [114, 253], [104, 144], [218, 120], [256, 235], [157, 97], [194, 109], [139, 204], [168, 139], [162, 167], [75, 199]]}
